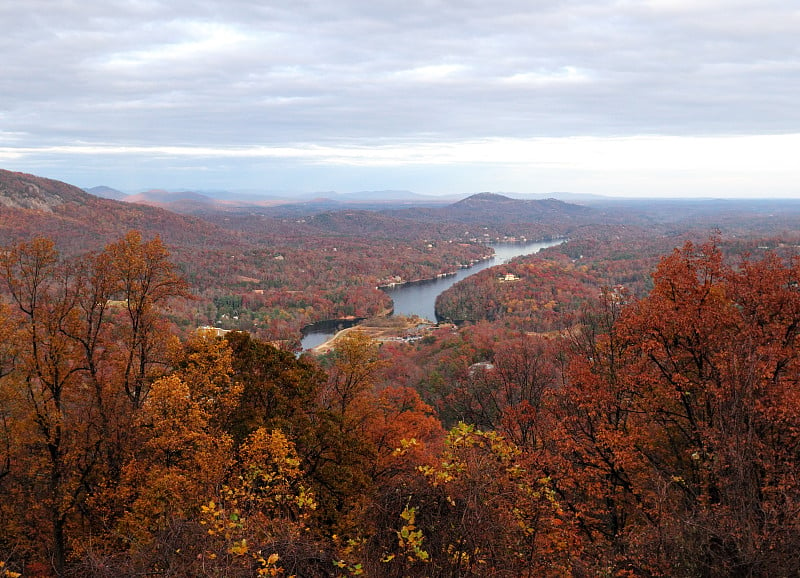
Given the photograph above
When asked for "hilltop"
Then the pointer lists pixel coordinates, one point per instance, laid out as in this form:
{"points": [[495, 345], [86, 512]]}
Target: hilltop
{"points": [[494, 209], [476, 208], [79, 221]]}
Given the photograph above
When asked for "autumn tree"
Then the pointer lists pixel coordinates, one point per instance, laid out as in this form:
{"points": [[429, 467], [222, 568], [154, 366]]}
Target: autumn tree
{"points": [[201, 500], [11, 432], [205, 364], [48, 382], [505, 393], [70, 422], [680, 435], [146, 280], [180, 463], [341, 460], [259, 522], [7, 338], [475, 509], [352, 369]]}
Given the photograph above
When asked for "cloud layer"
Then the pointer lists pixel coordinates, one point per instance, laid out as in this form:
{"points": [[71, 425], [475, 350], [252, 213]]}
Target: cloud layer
{"points": [[244, 91]]}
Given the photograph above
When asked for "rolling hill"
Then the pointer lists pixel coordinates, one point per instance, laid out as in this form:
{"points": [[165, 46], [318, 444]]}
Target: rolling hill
{"points": [[496, 209], [79, 221]]}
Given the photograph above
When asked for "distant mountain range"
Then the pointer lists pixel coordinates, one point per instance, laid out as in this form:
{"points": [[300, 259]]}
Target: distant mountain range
{"points": [[224, 199], [107, 193], [292, 203], [35, 205], [189, 221], [197, 202]]}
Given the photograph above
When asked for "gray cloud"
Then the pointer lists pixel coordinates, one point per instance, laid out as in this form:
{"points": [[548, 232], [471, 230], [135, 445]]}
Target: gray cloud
{"points": [[245, 73]]}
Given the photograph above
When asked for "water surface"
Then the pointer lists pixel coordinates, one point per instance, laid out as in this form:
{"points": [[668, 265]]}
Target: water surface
{"points": [[419, 298]]}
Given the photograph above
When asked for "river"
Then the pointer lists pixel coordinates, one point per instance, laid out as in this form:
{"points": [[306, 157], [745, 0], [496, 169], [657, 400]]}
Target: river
{"points": [[419, 298]]}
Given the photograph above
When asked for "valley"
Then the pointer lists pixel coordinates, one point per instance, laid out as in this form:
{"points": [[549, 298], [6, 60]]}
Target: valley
{"points": [[614, 394]]}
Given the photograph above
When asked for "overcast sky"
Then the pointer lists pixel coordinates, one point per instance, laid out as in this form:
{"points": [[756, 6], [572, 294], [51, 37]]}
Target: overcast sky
{"points": [[628, 97]]}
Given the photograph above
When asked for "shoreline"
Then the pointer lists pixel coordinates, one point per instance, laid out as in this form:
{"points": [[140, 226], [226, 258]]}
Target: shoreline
{"points": [[556, 241], [401, 286], [377, 328], [429, 279]]}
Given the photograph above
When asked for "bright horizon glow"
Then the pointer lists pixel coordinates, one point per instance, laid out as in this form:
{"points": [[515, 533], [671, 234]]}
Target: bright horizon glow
{"points": [[744, 165], [718, 153]]}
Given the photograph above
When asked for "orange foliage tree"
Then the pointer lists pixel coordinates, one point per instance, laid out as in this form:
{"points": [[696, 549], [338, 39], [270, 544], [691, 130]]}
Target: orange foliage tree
{"points": [[69, 413]]}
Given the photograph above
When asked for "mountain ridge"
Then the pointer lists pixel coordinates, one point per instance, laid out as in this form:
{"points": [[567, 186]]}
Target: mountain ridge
{"points": [[494, 209], [79, 221]]}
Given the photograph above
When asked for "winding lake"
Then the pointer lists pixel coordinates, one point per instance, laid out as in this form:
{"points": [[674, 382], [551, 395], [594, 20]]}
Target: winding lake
{"points": [[419, 298]]}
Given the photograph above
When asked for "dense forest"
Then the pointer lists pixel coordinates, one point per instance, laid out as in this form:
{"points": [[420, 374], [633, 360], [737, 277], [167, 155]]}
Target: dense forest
{"points": [[623, 404], [656, 436]]}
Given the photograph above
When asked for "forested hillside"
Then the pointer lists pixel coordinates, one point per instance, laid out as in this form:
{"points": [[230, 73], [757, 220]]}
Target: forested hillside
{"points": [[654, 436], [78, 221]]}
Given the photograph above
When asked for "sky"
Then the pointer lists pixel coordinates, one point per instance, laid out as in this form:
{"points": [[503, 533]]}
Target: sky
{"points": [[616, 97]]}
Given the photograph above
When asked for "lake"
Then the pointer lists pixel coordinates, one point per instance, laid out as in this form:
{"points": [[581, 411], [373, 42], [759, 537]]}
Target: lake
{"points": [[419, 298]]}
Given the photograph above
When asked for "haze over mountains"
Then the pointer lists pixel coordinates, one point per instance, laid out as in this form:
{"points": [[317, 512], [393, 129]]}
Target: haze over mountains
{"points": [[228, 198], [402, 203], [191, 201], [288, 204], [37, 205], [80, 220], [493, 208]]}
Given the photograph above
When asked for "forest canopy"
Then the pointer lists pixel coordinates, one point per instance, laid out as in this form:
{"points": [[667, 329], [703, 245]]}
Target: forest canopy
{"points": [[656, 435]]}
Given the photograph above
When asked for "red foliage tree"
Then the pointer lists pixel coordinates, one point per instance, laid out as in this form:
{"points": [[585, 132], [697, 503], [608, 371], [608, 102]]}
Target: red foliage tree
{"points": [[680, 432]]}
